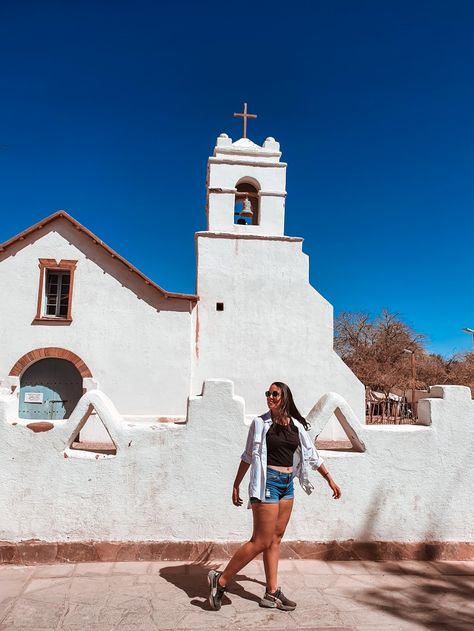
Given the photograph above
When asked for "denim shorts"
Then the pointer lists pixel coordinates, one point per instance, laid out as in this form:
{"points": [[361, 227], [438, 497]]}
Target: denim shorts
{"points": [[279, 486]]}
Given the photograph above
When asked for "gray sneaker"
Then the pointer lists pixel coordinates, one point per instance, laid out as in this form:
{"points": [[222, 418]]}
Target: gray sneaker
{"points": [[215, 590], [277, 600]]}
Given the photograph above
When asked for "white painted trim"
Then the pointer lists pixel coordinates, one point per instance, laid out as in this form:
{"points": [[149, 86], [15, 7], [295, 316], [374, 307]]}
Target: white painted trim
{"points": [[220, 191], [272, 194], [248, 152], [237, 235], [248, 163], [233, 191]]}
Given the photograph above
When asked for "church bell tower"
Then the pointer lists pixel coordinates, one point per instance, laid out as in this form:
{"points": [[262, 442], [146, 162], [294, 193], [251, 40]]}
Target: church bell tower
{"points": [[246, 186], [258, 319]]}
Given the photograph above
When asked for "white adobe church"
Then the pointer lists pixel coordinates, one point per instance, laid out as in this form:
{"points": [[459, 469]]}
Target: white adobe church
{"points": [[94, 347], [86, 319]]}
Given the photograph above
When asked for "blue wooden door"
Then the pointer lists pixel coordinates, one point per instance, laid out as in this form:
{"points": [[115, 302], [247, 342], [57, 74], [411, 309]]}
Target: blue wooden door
{"points": [[49, 389]]}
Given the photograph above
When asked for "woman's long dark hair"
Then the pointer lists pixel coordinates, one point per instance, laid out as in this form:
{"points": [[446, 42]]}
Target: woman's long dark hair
{"points": [[288, 407]]}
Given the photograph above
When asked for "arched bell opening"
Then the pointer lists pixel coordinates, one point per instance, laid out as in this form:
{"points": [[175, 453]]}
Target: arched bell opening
{"points": [[247, 203]]}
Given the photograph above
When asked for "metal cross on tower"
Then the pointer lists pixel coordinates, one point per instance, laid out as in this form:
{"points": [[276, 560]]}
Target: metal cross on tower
{"points": [[244, 115]]}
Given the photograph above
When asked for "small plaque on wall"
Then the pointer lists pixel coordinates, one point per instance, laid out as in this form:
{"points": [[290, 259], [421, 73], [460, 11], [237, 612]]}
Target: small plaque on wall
{"points": [[33, 397]]}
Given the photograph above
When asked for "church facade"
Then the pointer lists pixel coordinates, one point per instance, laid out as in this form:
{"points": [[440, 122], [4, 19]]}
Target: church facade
{"points": [[85, 318]]}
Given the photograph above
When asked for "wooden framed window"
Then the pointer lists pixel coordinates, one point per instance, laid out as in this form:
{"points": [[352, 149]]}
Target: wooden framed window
{"points": [[55, 291], [57, 283]]}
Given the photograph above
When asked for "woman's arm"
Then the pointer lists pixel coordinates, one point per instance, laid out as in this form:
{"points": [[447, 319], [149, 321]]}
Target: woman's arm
{"points": [[247, 455], [336, 491], [316, 462], [245, 462], [241, 471]]}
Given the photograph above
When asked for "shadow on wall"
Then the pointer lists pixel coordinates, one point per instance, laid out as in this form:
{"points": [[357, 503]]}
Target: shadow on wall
{"points": [[437, 595]]}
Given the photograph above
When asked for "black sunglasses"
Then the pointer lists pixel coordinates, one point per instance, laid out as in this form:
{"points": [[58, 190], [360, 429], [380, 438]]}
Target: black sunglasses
{"points": [[273, 394]]}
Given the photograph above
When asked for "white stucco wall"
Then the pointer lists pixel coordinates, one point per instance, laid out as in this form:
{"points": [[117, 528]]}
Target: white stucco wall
{"points": [[136, 344], [275, 325], [173, 481]]}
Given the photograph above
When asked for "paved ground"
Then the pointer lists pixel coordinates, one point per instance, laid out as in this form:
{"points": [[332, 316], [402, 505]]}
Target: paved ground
{"points": [[340, 596]]}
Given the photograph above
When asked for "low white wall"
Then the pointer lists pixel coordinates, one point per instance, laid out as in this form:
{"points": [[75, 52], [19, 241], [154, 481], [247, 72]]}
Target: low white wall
{"points": [[173, 481]]}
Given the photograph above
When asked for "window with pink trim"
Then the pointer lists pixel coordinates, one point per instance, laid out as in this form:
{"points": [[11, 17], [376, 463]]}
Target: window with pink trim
{"points": [[55, 290]]}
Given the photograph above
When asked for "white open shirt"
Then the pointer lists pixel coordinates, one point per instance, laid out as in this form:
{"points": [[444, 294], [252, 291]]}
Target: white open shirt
{"points": [[255, 454]]}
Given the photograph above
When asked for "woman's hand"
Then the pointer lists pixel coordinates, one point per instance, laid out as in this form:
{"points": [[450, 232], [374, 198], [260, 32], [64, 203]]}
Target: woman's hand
{"points": [[336, 491], [236, 499]]}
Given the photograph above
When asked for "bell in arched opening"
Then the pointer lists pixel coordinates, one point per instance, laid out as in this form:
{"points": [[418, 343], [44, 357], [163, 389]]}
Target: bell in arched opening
{"points": [[246, 210]]}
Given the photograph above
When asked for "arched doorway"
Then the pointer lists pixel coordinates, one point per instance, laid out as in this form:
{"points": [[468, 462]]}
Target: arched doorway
{"points": [[49, 389]]}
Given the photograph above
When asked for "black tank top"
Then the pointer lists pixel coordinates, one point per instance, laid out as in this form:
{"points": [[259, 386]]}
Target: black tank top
{"points": [[282, 442]]}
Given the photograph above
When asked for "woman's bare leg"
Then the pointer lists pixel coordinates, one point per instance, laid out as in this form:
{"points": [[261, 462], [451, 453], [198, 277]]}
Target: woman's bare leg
{"points": [[265, 518], [271, 555]]}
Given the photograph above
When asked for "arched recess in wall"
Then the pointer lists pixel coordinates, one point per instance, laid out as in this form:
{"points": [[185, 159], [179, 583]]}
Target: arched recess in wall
{"points": [[51, 351], [51, 383], [247, 202]]}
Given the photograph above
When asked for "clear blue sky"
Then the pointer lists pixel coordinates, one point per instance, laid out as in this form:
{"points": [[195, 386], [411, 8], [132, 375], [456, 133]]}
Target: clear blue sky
{"points": [[109, 110]]}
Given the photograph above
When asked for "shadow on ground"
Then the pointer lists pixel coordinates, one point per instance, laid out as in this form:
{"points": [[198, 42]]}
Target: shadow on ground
{"points": [[438, 601], [192, 579], [441, 595]]}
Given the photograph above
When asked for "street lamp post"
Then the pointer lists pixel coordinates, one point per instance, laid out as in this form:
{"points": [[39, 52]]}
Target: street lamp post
{"points": [[413, 382], [471, 331]]}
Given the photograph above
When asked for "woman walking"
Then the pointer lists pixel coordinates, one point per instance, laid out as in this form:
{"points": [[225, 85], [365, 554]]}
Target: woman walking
{"points": [[278, 449]]}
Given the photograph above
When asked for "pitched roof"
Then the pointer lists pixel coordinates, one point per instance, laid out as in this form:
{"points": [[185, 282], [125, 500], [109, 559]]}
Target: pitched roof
{"points": [[64, 215]]}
